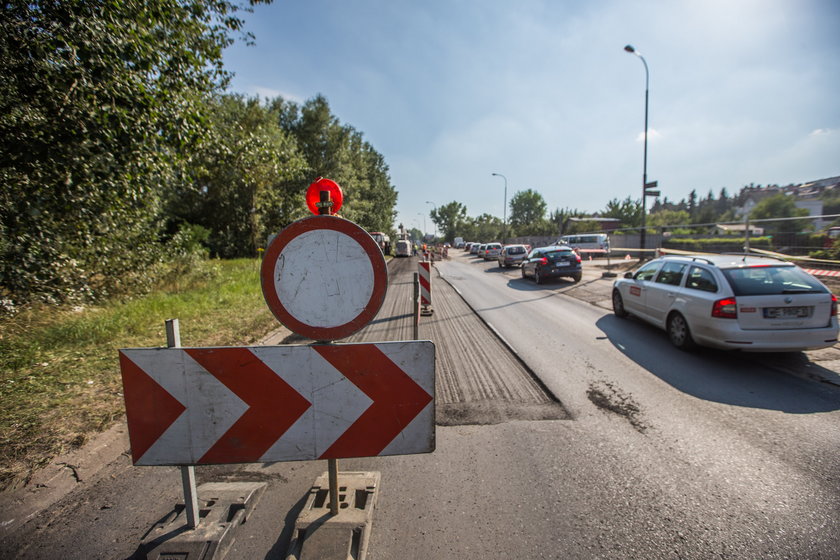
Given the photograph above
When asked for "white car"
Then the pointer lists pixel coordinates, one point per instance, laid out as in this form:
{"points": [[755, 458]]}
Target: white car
{"points": [[491, 251], [743, 302]]}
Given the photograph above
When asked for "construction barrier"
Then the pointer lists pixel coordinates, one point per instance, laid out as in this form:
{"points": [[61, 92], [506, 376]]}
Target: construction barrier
{"points": [[425, 283]]}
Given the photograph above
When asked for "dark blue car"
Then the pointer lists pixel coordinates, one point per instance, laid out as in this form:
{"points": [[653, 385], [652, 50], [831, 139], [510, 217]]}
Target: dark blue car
{"points": [[556, 261]]}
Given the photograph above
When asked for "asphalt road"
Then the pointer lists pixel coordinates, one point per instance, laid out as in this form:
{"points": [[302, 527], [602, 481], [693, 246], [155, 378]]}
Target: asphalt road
{"points": [[592, 439], [738, 450]]}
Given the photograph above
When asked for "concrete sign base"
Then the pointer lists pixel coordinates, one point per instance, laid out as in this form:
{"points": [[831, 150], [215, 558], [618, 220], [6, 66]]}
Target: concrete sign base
{"points": [[321, 536], [223, 507]]}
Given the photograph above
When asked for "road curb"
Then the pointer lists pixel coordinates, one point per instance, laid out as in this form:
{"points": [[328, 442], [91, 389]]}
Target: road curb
{"points": [[64, 474]]}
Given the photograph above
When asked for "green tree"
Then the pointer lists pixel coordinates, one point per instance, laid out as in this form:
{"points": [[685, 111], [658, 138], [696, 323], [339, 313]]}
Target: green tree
{"points": [[582, 225], [527, 210], [564, 220], [340, 153], [246, 183], [483, 229], [629, 211], [780, 206], [100, 105], [692, 202], [667, 219], [448, 219], [415, 235]]}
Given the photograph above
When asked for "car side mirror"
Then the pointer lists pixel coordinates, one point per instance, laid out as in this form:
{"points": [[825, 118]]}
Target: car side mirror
{"points": [[628, 275]]}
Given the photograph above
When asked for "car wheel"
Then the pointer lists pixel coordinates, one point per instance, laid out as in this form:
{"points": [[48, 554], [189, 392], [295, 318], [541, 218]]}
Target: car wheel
{"points": [[678, 332], [537, 278], [576, 278], [618, 305]]}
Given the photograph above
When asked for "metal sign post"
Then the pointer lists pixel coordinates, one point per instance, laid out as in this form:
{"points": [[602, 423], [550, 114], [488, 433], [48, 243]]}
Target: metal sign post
{"points": [[415, 306], [173, 340]]}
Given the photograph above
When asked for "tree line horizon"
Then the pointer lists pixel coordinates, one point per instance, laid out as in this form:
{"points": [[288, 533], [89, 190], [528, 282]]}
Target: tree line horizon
{"points": [[528, 214]]}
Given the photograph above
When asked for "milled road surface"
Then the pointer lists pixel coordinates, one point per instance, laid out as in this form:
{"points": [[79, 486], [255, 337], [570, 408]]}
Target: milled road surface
{"points": [[479, 380]]}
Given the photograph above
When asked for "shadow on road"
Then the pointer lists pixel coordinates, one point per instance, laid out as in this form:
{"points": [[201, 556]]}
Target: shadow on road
{"points": [[739, 379], [528, 284]]}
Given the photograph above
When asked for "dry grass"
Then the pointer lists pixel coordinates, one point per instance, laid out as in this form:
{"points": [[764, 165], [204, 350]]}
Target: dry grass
{"points": [[59, 372]]}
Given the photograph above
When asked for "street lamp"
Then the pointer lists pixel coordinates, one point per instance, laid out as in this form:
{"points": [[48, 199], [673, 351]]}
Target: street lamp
{"points": [[631, 50], [504, 209], [435, 221]]}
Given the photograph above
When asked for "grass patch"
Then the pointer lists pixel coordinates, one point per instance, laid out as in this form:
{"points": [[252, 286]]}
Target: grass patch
{"points": [[59, 369]]}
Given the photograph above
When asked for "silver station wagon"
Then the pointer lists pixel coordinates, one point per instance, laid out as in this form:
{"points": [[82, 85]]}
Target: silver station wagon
{"points": [[743, 302]]}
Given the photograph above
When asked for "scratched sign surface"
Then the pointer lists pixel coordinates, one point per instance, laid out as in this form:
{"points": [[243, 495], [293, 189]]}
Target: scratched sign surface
{"points": [[324, 277], [279, 403]]}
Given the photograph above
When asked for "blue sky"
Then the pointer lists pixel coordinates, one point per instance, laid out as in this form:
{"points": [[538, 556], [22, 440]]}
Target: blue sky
{"points": [[449, 92]]}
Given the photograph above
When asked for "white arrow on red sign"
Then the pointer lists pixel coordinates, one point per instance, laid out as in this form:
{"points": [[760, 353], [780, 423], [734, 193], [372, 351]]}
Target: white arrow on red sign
{"points": [[189, 406]]}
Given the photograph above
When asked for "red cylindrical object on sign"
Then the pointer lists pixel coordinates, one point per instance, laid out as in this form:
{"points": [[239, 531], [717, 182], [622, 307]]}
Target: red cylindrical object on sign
{"points": [[313, 195]]}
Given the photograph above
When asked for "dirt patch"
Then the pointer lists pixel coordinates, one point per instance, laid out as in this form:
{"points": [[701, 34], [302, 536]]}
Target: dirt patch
{"points": [[606, 396], [496, 412]]}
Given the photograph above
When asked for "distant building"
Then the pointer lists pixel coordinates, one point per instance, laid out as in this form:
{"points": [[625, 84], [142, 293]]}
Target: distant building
{"points": [[605, 224], [814, 206], [806, 195], [731, 229]]}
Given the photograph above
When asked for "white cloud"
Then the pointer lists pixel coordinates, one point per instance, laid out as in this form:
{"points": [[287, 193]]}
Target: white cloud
{"points": [[266, 92], [653, 135]]}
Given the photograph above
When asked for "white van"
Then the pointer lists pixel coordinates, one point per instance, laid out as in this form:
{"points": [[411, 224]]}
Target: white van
{"points": [[591, 242], [403, 248]]}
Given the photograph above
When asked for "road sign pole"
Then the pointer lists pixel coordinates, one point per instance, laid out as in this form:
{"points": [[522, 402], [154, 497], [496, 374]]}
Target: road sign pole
{"points": [[415, 306], [332, 469], [173, 340], [332, 465]]}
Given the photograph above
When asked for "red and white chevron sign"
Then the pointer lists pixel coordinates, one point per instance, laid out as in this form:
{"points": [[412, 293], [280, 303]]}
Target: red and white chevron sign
{"points": [[425, 282], [190, 406]]}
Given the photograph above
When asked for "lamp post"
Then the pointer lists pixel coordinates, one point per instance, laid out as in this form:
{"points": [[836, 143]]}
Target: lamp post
{"points": [[631, 50], [424, 224], [435, 221], [504, 209]]}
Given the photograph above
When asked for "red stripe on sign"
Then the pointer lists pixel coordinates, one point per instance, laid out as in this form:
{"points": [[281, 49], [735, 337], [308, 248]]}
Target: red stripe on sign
{"points": [[149, 408], [273, 404], [397, 399]]}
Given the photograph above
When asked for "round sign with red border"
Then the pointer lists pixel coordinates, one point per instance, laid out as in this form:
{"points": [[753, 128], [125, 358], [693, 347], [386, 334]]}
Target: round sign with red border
{"points": [[324, 277]]}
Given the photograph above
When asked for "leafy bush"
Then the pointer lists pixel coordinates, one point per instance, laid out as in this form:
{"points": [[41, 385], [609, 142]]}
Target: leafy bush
{"points": [[716, 244], [831, 253]]}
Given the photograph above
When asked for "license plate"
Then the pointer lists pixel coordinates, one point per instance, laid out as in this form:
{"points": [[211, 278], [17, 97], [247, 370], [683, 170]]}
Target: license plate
{"points": [[786, 312], [560, 264]]}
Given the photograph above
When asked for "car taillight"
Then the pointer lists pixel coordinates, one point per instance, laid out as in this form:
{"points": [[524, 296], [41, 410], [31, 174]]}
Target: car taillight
{"points": [[577, 257], [833, 305], [725, 309], [544, 260]]}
